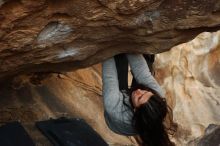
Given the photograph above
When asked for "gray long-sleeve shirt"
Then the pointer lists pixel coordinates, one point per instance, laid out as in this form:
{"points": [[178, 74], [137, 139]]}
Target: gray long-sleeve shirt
{"points": [[118, 116]]}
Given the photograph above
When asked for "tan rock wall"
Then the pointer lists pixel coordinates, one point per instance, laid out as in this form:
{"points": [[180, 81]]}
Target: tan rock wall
{"points": [[190, 75], [39, 97]]}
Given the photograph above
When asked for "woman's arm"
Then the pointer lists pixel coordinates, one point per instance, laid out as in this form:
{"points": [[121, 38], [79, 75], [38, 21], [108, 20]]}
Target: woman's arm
{"points": [[111, 92], [142, 73], [116, 118]]}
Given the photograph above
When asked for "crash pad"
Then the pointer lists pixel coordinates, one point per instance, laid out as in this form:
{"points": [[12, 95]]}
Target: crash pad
{"points": [[14, 134], [70, 132]]}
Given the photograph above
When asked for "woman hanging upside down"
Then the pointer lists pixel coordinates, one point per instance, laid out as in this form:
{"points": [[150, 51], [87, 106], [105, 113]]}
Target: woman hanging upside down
{"points": [[138, 110]]}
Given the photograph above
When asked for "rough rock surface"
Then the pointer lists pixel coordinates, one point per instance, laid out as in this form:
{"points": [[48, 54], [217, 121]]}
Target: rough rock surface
{"points": [[210, 138], [60, 35], [190, 75]]}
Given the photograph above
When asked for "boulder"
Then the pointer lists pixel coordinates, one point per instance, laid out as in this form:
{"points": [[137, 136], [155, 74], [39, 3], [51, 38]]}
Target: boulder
{"points": [[62, 35], [210, 138]]}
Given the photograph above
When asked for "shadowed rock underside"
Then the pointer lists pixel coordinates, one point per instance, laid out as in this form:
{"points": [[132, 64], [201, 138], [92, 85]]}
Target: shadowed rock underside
{"points": [[63, 35]]}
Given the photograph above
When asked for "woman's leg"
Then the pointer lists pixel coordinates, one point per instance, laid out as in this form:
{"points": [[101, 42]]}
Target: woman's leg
{"points": [[150, 60], [122, 69]]}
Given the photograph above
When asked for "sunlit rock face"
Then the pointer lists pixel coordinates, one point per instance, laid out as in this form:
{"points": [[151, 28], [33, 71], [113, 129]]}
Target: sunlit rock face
{"points": [[190, 75], [62, 35]]}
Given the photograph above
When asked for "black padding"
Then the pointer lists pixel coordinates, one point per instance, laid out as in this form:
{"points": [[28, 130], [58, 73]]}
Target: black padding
{"points": [[70, 132], [13, 134], [121, 63]]}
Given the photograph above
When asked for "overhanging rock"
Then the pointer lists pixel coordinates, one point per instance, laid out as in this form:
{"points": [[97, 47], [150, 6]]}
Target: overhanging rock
{"points": [[62, 35]]}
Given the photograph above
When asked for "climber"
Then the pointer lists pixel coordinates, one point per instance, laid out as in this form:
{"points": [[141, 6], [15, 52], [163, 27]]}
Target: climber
{"points": [[138, 110]]}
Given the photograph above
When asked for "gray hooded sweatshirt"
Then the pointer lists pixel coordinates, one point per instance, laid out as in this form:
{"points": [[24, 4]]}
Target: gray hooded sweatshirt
{"points": [[118, 116]]}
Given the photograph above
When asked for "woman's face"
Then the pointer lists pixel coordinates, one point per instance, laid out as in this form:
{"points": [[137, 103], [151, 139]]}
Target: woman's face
{"points": [[139, 97]]}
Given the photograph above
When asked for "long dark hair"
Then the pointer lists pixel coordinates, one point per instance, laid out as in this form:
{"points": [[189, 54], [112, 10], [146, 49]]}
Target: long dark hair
{"points": [[149, 119]]}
